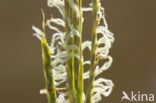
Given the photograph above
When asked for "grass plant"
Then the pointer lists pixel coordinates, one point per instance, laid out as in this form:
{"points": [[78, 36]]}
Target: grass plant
{"points": [[63, 59]]}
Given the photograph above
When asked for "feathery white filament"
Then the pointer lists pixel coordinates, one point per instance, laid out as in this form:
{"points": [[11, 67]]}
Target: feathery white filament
{"points": [[38, 33]]}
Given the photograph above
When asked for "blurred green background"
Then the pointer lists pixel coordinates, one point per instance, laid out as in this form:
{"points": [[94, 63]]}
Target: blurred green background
{"points": [[134, 68]]}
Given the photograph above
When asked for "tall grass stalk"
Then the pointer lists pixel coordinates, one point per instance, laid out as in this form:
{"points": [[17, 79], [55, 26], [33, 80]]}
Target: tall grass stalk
{"points": [[93, 51], [78, 63], [46, 56], [70, 63]]}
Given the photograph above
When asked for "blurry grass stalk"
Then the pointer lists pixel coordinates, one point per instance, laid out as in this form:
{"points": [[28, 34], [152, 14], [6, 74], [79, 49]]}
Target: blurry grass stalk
{"points": [[78, 63], [70, 62], [74, 65], [93, 51], [46, 56]]}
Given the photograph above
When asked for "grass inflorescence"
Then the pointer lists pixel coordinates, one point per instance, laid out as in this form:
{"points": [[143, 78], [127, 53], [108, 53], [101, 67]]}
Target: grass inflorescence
{"points": [[63, 58]]}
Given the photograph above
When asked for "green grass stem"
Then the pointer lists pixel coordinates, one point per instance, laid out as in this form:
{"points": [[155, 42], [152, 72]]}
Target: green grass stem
{"points": [[78, 63], [93, 52], [70, 62], [46, 56]]}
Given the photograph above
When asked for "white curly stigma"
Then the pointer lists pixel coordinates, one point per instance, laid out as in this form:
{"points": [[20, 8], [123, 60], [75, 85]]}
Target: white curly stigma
{"points": [[103, 87], [59, 4], [38, 33]]}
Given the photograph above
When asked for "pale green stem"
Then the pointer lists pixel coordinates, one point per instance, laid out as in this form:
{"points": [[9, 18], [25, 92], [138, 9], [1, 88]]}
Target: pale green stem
{"points": [[76, 43], [78, 64], [93, 52], [80, 80], [70, 62], [49, 80]]}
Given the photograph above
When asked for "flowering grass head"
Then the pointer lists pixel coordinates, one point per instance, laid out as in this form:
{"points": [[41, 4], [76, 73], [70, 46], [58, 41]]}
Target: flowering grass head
{"points": [[66, 54]]}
